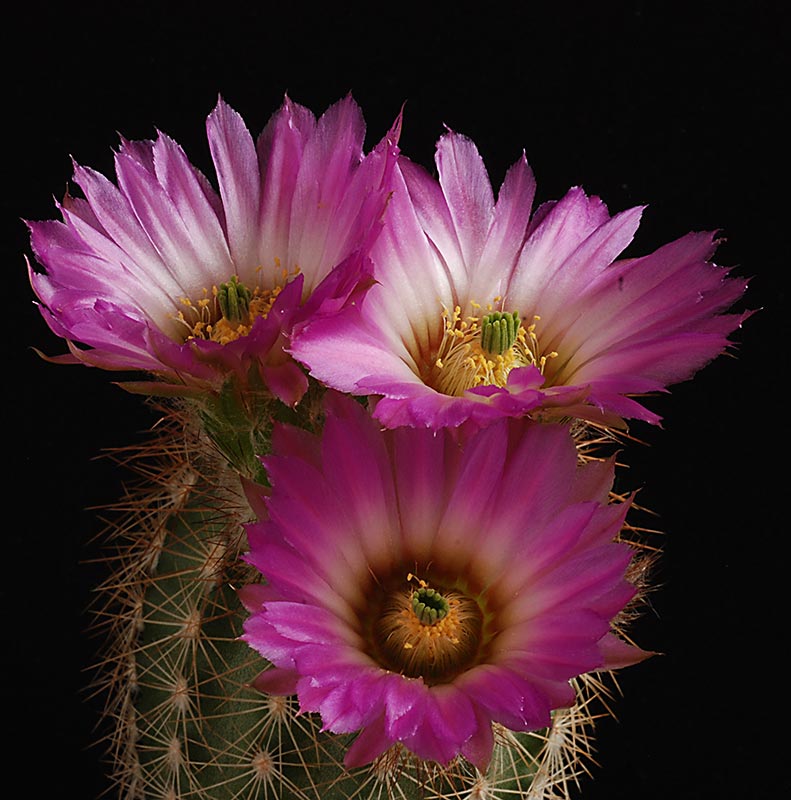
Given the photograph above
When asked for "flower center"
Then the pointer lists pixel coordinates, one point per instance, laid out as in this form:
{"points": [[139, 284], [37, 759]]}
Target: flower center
{"points": [[228, 311], [482, 351], [428, 633]]}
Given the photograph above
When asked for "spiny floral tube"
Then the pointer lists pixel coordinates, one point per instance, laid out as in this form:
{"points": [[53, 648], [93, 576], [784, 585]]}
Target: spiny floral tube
{"points": [[590, 331], [420, 588], [163, 274]]}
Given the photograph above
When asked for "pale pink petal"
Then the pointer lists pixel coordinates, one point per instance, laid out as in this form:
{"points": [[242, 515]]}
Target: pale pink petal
{"points": [[465, 184], [238, 174]]}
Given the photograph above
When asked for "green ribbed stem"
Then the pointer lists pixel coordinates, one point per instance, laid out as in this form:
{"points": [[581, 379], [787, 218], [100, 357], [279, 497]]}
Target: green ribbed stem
{"points": [[199, 722]]}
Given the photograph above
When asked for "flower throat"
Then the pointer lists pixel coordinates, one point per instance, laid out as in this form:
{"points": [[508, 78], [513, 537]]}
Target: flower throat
{"points": [[428, 633], [228, 311], [482, 351]]}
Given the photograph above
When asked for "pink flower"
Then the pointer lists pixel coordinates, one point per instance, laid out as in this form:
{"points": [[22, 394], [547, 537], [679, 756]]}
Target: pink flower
{"points": [[419, 589], [161, 273], [482, 312]]}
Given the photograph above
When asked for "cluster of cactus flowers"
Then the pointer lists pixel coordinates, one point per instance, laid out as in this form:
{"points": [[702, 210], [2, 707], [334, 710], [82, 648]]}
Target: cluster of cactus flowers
{"points": [[375, 546]]}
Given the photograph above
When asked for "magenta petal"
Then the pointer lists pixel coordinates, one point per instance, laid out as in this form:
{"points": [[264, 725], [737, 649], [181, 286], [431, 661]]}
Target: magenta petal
{"points": [[195, 201], [513, 702], [452, 720], [298, 442], [339, 704], [277, 681], [302, 623], [255, 494], [345, 285], [370, 743], [568, 223], [254, 595], [262, 637], [164, 226], [511, 217], [280, 147], [316, 224], [478, 748], [405, 706], [287, 381], [324, 346], [618, 654]]}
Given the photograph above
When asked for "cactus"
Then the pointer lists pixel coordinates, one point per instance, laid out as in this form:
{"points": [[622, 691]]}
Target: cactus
{"points": [[182, 717], [224, 302]]}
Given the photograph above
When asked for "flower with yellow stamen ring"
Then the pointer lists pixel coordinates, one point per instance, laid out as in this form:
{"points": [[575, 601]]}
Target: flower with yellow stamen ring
{"points": [[596, 332], [165, 274], [516, 596]]}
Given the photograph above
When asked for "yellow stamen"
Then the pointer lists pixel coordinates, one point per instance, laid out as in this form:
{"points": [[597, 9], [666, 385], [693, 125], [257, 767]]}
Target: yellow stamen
{"points": [[461, 362], [204, 318]]}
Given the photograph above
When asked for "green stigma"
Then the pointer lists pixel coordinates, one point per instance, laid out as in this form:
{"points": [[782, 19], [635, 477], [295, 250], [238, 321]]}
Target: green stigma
{"points": [[499, 330], [429, 605], [234, 300]]}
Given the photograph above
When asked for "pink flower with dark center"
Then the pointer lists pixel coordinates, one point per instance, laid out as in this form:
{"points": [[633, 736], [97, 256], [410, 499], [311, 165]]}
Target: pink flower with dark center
{"points": [[162, 273], [482, 311], [421, 586]]}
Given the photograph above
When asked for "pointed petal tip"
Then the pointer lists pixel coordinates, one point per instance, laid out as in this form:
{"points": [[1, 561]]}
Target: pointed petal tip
{"points": [[252, 596], [394, 134], [276, 681], [618, 653], [221, 111], [370, 743]]}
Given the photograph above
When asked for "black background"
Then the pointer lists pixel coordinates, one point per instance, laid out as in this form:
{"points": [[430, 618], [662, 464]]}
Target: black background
{"points": [[682, 108]]}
